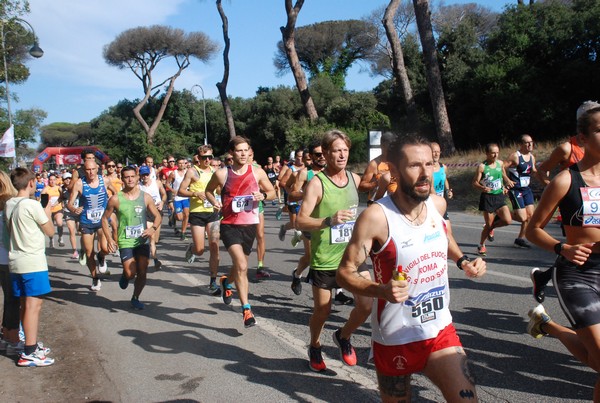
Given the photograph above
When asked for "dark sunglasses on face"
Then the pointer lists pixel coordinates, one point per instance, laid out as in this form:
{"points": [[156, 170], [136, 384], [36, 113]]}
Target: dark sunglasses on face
{"points": [[318, 155], [206, 157], [111, 166], [171, 160]]}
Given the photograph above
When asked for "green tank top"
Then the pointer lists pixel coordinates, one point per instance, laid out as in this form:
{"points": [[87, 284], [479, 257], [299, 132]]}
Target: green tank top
{"points": [[328, 244], [492, 178], [132, 221]]}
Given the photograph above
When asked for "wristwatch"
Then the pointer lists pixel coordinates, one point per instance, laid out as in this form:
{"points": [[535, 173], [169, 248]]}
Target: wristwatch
{"points": [[327, 222], [459, 262], [558, 248]]}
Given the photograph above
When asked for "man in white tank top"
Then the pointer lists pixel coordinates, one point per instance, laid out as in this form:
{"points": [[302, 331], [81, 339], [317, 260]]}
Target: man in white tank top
{"points": [[409, 244], [181, 204], [156, 190]]}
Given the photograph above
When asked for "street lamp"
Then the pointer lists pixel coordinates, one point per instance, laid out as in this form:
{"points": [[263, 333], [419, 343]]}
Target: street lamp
{"points": [[35, 51], [204, 108]]}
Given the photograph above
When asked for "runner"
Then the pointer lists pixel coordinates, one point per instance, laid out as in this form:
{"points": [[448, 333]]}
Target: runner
{"points": [[521, 166], [377, 166], [301, 180], [131, 206], [155, 189], [441, 187], [180, 204], [261, 248], [39, 186], [490, 178], [71, 219], [328, 211], [576, 277], [563, 156], [272, 173], [292, 206], [243, 186], [204, 220], [54, 192], [164, 174], [92, 192], [113, 178], [411, 324]]}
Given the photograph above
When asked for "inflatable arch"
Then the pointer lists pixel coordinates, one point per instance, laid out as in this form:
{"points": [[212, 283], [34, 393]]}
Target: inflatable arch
{"points": [[69, 155]]}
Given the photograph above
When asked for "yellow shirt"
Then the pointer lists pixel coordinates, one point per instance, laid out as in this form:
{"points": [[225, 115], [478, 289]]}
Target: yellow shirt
{"points": [[53, 195], [198, 205]]}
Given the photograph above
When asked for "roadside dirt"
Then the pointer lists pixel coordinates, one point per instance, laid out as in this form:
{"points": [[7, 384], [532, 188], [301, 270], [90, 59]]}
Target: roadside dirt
{"points": [[76, 376]]}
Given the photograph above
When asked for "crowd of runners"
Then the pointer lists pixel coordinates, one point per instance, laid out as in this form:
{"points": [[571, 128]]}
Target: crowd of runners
{"points": [[405, 231]]}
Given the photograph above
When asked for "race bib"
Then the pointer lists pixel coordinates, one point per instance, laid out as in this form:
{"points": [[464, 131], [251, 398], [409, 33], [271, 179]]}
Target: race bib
{"points": [[242, 203], [524, 181], [341, 233], [208, 204], [493, 184], [591, 206], [54, 200], [94, 214], [134, 231]]}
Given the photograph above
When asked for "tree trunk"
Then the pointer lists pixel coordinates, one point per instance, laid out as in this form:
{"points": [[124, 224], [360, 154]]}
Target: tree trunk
{"points": [[398, 67], [137, 110], [287, 34], [222, 86], [434, 77]]}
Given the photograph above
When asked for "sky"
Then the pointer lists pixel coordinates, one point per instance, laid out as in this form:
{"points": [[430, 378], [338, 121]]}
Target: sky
{"points": [[74, 84]]}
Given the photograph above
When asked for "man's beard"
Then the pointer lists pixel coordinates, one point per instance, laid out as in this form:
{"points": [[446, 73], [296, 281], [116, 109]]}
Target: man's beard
{"points": [[410, 191]]}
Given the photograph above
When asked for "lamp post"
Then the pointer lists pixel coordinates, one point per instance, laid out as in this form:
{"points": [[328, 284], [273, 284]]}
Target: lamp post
{"points": [[204, 108], [35, 51]]}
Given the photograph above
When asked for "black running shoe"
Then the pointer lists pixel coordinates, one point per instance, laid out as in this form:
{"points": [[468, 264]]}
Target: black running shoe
{"points": [[342, 299], [521, 243], [227, 293], [249, 319], [315, 359], [296, 283], [538, 285]]}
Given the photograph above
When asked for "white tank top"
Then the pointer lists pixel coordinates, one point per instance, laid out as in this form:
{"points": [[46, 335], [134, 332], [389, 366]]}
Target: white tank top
{"points": [[176, 183], [422, 251], [152, 190]]}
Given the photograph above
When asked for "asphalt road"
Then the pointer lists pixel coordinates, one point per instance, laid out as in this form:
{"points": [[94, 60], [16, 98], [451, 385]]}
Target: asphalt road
{"points": [[188, 346]]}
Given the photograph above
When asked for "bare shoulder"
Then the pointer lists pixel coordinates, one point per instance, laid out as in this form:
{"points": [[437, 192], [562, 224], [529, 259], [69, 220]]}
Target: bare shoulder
{"points": [[439, 202]]}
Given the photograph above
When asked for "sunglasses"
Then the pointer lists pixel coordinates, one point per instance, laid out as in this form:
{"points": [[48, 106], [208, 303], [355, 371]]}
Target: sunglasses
{"points": [[206, 157], [120, 166], [318, 155], [171, 160], [111, 166]]}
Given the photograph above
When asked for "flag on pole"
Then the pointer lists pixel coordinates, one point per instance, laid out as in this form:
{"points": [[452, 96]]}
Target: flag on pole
{"points": [[7, 143]]}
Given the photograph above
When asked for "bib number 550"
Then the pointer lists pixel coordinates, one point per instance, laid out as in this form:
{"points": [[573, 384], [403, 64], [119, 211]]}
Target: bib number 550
{"points": [[425, 307]]}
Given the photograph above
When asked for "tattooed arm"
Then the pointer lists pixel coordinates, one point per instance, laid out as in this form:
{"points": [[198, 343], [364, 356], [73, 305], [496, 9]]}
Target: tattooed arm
{"points": [[371, 226]]}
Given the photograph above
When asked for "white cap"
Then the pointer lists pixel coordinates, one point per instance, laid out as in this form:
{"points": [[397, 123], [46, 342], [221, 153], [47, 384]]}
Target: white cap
{"points": [[67, 175], [586, 106]]}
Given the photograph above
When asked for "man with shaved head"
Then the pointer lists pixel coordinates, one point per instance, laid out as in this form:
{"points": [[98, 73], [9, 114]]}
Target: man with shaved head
{"points": [[91, 191]]}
